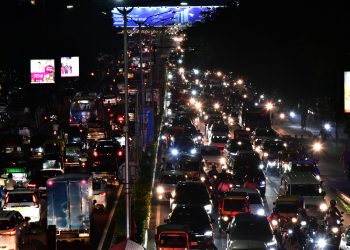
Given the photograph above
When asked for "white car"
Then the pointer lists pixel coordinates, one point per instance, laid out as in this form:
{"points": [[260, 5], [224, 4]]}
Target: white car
{"points": [[27, 202], [345, 240], [256, 203], [13, 230], [99, 187]]}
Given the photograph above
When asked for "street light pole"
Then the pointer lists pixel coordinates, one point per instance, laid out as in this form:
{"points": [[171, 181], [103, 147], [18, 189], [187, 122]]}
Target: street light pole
{"points": [[125, 11]]}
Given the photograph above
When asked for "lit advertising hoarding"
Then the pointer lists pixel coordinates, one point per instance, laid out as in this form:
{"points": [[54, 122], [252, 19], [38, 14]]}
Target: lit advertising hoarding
{"points": [[162, 16], [70, 66], [42, 71], [347, 91]]}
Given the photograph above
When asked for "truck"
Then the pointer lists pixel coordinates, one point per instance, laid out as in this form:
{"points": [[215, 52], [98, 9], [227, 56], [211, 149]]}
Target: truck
{"points": [[70, 207]]}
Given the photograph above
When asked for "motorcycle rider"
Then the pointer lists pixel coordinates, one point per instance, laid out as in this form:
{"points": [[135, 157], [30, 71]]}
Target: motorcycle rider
{"points": [[302, 215], [333, 214], [213, 172], [274, 215]]}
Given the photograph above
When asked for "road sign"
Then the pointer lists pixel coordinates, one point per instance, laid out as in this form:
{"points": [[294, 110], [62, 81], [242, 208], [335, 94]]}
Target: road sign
{"points": [[134, 172]]}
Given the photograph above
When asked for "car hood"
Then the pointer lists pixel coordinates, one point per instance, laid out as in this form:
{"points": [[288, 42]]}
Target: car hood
{"points": [[246, 244]]}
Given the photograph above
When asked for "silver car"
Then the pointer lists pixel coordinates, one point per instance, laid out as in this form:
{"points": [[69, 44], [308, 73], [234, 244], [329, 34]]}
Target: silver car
{"points": [[256, 203]]}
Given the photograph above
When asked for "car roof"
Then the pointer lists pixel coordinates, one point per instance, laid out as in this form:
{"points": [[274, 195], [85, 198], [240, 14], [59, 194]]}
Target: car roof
{"points": [[301, 178], [249, 217], [172, 172], [246, 190], [22, 190]]}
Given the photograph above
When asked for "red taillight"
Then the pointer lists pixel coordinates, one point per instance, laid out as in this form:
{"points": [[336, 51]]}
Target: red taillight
{"points": [[83, 182], [120, 153], [31, 185], [102, 194], [9, 232], [50, 183], [95, 153]]}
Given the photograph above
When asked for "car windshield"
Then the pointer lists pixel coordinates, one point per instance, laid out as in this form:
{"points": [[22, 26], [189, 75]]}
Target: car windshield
{"points": [[210, 151], [254, 199], [303, 168], [20, 197], [286, 207], [189, 216], [191, 194], [173, 240], [72, 151], [172, 179], [233, 205], [239, 145], [242, 229], [305, 190], [219, 138]]}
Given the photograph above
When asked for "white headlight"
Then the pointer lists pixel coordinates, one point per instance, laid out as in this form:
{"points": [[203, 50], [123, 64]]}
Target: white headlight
{"points": [[272, 163], [174, 152], [163, 137], [303, 223], [160, 190], [266, 154], [261, 212], [225, 218], [271, 243], [202, 179], [321, 243], [290, 231], [335, 230], [222, 160], [294, 220], [193, 151], [208, 233], [274, 222], [323, 207], [318, 177], [261, 166]]}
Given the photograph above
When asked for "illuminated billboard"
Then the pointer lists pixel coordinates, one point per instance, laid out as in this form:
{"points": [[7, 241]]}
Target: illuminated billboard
{"points": [[347, 91], [161, 16], [42, 71], [70, 66]]}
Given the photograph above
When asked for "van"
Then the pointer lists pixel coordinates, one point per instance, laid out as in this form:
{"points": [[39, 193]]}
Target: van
{"points": [[307, 186]]}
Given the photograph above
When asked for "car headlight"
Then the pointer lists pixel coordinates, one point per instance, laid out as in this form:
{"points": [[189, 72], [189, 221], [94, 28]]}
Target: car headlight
{"points": [[262, 184], [261, 166], [160, 190], [335, 230], [323, 207], [202, 179], [318, 177], [274, 222], [266, 154], [272, 163], [290, 231], [294, 220], [208, 233], [193, 151], [303, 223], [261, 212], [225, 218], [222, 160], [174, 152], [163, 137], [321, 243], [208, 208]]}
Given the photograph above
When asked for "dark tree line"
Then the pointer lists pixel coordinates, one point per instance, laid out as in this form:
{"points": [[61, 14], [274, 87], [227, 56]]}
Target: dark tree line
{"points": [[297, 48]]}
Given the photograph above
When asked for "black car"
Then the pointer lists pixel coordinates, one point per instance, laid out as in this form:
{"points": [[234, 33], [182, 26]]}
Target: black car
{"points": [[235, 145], [107, 154], [191, 193], [258, 175], [250, 231], [38, 180], [198, 222]]}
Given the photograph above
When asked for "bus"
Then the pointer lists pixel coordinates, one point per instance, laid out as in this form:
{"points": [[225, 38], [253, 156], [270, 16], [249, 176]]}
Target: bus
{"points": [[85, 107]]}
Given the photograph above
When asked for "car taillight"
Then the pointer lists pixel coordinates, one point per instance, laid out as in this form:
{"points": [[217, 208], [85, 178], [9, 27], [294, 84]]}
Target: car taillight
{"points": [[95, 153], [102, 194], [120, 153], [31, 185], [9, 232]]}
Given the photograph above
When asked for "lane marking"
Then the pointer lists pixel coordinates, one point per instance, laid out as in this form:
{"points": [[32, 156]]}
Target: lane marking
{"points": [[158, 215]]}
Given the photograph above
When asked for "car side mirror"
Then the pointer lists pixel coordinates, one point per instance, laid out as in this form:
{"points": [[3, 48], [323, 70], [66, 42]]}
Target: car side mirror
{"points": [[27, 218], [166, 221]]}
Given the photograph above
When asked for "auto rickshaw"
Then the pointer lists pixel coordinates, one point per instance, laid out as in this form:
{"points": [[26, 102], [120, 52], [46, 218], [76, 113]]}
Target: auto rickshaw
{"points": [[172, 237], [230, 206]]}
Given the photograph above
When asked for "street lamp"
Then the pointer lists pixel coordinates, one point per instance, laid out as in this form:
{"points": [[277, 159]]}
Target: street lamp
{"points": [[125, 11]]}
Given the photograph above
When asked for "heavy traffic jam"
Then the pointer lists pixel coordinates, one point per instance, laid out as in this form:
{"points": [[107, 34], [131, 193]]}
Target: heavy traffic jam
{"points": [[226, 179]]}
